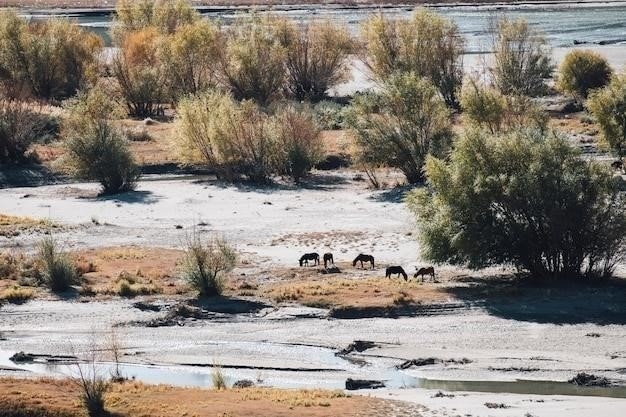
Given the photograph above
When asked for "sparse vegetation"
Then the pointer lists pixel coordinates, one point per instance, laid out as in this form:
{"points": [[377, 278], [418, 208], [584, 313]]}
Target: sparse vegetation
{"points": [[427, 45], [608, 106], [525, 199], [92, 387], [58, 271], [401, 125], [20, 127], [582, 71], [16, 295], [521, 58], [218, 378], [205, 264]]}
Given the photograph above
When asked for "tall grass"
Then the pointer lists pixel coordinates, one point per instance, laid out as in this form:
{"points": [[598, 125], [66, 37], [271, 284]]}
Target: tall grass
{"points": [[59, 273]]}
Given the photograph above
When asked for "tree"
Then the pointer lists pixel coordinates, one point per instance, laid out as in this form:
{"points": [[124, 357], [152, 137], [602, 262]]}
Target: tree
{"points": [[521, 58], [252, 66], [608, 106], [189, 58], [525, 199], [582, 71], [317, 57], [401, 125], [49, 60], [427, 45], [139, 73]]}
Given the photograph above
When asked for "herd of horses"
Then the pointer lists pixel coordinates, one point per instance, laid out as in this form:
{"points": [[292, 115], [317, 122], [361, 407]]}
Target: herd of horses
{"points": [[362, 258]]}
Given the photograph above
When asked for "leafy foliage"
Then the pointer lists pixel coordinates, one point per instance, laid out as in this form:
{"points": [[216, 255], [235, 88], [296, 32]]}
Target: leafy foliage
{"points": [[526, 199], [205, 264], [582, 71], [608, 106], [401, 125], [427, 45]]}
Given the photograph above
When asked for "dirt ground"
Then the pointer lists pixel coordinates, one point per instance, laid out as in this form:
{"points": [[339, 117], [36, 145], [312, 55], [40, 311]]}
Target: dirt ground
{"points": [[133, 399]]}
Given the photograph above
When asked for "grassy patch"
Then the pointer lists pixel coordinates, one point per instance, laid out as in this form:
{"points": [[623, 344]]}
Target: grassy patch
{"points": [[11, 226], [16, 294]]}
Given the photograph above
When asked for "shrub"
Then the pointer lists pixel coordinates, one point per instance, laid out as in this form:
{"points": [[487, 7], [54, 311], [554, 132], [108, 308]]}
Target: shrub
{"points": [[316, 57], [329, 115], [20, 128], [521, 59], [16, 294], [204, 264], [58, 271], [189, 57], [608, 106], [93, 388], [402, 124], [49, 60], [487, 108], [219, 380], [101, 153], [582, 71], [166, 16], [525, 199], [234, 138], [252, 64], [427, 44], [299, 138], [139, 73]]}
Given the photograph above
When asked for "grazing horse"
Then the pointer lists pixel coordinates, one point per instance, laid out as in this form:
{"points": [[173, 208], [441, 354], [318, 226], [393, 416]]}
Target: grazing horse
{"points": [[363, 258], [425, 271], [304, 259], [396, 270], [328, 258]]}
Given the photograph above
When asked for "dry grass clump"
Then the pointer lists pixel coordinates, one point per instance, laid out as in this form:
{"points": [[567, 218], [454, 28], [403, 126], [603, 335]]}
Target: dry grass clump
{"points": [[294, 398], [16, 295], [128, 285], [15, 225]]}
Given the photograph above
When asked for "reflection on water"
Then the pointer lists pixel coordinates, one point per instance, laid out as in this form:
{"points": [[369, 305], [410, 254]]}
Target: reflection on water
{"points": [[562, 24]]}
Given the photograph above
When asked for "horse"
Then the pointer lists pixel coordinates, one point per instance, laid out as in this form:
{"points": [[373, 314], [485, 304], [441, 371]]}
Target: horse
{"points": [[328, 258], [396, 270], [425, 271], [363, 258], [304, 259]]}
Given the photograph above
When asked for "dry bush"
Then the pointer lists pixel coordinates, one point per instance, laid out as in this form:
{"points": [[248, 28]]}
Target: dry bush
{"points": [[92, 386], [205, 264], [49, 60], [299, 138], [252, 65], [521, 58], [317, 57], [165, 15], [426, 44], [20, 127], [189, 58], [582, 71], [218, 378], [139, 73], [486, 107], [16, 295], [402, 124], [58, 271], [608, 106]]}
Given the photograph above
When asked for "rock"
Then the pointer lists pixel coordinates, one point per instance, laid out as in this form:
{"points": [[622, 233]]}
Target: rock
{"points": [[22, 357], [243, 383], [355, 384], [357, 346], [588, 380], [148, 121], [418, 362]]}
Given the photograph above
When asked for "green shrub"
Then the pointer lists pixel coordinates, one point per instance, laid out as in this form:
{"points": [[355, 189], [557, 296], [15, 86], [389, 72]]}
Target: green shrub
{"points": [[427, 44], [252, 66], [316, 56], [525, 199], [402, 124], [608, 106], [102, 154], [59, 273], [329, 115], [582, 71], [166, 16], [299, 138], [486, 107], [49, 60], [521, 58], [205, 264]]}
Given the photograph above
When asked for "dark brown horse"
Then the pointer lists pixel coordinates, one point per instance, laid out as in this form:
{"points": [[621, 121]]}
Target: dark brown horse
{"points": [[363, 258], [396, 270], [315, 257], [328, 259], [425, 271]]}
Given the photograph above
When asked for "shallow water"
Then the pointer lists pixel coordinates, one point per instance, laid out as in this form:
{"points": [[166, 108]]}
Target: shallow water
{"points": [[563, 23]]}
